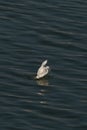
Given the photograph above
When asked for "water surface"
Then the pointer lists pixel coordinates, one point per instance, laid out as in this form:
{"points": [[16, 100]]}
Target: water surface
{"points": [[30, 32]]}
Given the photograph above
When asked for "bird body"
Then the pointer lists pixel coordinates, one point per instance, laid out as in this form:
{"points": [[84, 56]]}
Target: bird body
{"points": [[43, 70]]}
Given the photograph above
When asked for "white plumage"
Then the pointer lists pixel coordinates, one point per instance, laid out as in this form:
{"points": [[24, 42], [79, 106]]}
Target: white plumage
{"points": [[43, 70]]}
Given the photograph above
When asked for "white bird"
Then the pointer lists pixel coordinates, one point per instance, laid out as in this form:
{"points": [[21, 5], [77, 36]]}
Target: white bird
{"points": [[43, 70]]}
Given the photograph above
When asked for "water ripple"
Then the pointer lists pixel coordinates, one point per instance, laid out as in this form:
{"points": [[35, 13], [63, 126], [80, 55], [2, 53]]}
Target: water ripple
{"points": [[32, 31]]}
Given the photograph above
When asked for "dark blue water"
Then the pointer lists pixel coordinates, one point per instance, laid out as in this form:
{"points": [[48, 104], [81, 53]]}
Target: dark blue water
{"points": [[30, 32]]}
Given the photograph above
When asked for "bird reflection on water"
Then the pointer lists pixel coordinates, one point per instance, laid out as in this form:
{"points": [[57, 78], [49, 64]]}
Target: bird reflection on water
{"points": [[43, 91], [42, 82]]}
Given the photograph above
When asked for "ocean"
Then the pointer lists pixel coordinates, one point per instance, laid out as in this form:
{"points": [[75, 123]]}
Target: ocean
{"points": [[32, 31]]}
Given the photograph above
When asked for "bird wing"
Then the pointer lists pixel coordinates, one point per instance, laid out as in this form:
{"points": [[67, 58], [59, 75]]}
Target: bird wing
{"points": [[44, 63]]}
